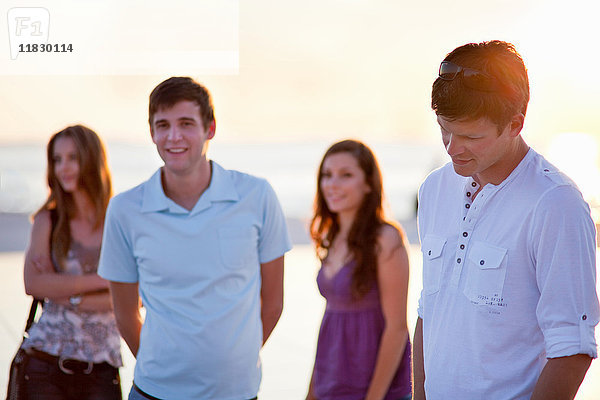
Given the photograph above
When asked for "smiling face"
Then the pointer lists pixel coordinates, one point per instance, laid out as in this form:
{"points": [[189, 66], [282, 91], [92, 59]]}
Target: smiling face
{"points": [[343, 183], [478, 150], [66, 164], [181, 138]]}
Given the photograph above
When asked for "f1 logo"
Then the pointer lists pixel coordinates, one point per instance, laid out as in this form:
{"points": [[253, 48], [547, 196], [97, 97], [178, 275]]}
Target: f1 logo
{"points": [[27, 25]]}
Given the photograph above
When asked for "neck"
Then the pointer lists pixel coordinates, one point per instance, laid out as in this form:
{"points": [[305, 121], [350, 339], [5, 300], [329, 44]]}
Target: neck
{"points": [[505, 166], [84, 208], [345, 221], [185, 190]]}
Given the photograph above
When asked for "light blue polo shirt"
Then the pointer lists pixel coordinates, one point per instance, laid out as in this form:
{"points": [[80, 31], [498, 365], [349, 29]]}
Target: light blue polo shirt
{"points": [[199, 280]]}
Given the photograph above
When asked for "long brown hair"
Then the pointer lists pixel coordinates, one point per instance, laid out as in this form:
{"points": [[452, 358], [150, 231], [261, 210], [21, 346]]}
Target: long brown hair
{"points": [[94, 180], [362, 238]]}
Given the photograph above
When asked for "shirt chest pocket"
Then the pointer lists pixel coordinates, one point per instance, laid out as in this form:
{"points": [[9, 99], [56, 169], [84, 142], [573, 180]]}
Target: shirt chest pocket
{"points": [[238, 246], [486, 271], [432, 248]]}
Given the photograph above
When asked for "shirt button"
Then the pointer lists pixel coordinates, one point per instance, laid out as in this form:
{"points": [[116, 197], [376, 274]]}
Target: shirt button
{"points": [[481, 262], [429, 252], [467, 205], [584, 317], [465, 234], [462, 246], [468, 194], [473, 184], [458, 260]]}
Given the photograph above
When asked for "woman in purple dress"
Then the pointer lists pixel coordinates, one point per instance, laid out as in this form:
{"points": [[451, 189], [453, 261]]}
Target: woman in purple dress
{"points": [[363, 351]]}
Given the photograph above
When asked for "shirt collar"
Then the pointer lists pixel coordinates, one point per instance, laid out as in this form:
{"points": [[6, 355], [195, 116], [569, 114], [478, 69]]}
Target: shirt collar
{"points": [[221, 188], [154, 198], [520, 167], [472, 186]]}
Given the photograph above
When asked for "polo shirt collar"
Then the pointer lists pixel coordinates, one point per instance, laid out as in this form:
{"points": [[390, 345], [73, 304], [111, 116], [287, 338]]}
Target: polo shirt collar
{"points": [[221, 188], [154, 198]]}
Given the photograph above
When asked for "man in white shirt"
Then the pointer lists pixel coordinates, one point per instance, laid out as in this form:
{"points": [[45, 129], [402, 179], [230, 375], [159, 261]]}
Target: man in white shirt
{"points": [[509, 304]]}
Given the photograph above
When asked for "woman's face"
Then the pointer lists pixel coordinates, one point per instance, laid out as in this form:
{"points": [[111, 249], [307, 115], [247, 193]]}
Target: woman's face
{"points": [[66, 163], [343, 183]]}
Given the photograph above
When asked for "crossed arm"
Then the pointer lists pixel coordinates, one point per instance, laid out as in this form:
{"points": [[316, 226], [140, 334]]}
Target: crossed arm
{"points": [[42, 281]]}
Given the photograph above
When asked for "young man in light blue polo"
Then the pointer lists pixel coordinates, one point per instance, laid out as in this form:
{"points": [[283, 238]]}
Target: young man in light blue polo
{"points": [[203, 247]]}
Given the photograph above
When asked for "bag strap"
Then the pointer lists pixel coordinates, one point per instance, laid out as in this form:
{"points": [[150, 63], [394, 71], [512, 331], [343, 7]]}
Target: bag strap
{"points": [[32, 311], [35, 302]]}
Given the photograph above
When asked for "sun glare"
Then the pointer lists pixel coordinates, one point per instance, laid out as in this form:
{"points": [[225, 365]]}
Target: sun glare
{"points": [[578, 156]]}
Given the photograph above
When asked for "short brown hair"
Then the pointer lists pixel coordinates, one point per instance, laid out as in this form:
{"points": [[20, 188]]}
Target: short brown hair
{"points": [[176, 89], [455, 101]]}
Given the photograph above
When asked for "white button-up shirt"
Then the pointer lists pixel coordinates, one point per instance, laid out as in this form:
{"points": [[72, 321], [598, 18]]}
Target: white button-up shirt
{"points": [[509, 280]]}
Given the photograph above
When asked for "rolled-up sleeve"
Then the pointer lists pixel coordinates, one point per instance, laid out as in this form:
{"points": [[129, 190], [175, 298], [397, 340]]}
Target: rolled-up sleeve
{"points": [[564, 248]]}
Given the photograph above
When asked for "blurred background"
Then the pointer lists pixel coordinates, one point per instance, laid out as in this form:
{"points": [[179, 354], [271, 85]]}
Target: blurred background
{"points": [[306, 73], [287, 79]]}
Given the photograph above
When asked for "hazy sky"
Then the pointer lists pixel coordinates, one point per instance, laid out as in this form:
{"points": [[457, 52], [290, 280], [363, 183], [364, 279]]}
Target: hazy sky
{"points": [[307, 70]]}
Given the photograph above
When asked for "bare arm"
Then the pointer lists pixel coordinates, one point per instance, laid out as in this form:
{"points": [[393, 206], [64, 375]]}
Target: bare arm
{"points": [[126, 303], [92, 301], [561, 377], [418, 364], [392, 277], [96, 301], [271, 295], [40, 278], [311, 395]]}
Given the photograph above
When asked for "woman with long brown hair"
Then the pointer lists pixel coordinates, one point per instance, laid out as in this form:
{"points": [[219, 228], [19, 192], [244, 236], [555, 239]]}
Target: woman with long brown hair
{"points": [[363, 351], [74, 347]]}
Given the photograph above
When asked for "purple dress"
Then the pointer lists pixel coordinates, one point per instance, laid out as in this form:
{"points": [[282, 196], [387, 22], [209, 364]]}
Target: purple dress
{"points": [[349, 340]]}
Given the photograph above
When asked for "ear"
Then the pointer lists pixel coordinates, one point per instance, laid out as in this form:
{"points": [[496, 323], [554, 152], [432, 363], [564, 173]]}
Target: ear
{"points": [[516, 124], [211, 129], [152, 134]]}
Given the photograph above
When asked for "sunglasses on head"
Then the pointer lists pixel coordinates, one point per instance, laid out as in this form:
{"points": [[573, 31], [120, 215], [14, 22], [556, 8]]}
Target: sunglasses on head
{"points": [[472, 78]]}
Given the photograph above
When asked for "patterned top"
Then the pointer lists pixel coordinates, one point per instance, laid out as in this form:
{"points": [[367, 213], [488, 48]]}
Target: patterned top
{"points": [[76, 334]]}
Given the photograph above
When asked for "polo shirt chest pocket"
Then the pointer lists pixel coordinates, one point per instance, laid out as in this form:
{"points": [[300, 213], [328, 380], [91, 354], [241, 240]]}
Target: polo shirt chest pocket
{"points": [[432, 248], [485, 274], [238, 247]]}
